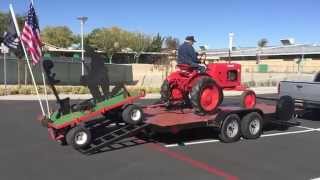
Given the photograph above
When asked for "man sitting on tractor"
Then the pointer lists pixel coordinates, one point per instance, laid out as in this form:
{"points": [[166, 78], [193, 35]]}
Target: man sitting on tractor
{"points": [[187, 54]]}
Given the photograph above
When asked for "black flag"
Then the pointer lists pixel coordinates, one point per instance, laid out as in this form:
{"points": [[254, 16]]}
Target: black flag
{"points": [[10, 37]]}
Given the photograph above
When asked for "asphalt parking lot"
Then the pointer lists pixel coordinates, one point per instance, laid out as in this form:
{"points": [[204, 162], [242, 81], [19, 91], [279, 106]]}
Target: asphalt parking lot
{"points": [[27, 153]]}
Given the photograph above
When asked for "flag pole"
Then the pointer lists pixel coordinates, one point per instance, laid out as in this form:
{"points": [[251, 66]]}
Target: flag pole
{"points": [[26, 55], [4, 51], [44, 83], [45, 92], [5, 69]]}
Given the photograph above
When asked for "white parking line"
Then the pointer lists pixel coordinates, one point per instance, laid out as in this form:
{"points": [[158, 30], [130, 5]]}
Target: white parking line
{"points": [[264, 135], [318, 178], [193, 143], [315, 129], [285, 133]]}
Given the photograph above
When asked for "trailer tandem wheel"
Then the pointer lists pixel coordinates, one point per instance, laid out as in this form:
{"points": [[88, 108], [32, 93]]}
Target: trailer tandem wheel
{"points": [[251, 125], [230, 129]]}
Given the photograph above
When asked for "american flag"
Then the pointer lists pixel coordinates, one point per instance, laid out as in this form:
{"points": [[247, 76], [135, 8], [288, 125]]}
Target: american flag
{"points": [[31, 35]]}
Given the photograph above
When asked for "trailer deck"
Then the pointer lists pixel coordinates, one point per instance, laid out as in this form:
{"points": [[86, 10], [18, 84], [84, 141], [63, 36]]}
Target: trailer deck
{"points": [[161, 117]]}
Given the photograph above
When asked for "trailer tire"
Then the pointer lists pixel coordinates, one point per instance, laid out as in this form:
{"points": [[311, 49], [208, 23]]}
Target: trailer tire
{"points": [[133, 114], [79, 137], [251, 126], [230, 129], [285, 108], [206, 96]]}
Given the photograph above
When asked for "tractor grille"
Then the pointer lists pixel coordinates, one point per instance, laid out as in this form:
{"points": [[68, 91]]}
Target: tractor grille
{"points": [[232, 75]]}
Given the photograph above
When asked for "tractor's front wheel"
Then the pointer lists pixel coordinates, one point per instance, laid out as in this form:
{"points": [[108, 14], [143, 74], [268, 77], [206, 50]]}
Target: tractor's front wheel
{"points": [[206, 96], [248, 99]]}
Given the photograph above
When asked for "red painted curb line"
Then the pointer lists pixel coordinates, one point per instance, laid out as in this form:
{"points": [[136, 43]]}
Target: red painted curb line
{"points": [[195, 163]]}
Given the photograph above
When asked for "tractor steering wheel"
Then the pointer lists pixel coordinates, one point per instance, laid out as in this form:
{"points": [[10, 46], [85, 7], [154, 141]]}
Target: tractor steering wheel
{"points": [[203, 58]]}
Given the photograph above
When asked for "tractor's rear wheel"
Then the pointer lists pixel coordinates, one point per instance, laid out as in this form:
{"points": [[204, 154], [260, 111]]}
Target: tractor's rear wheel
{"points": [[206, 96], [165, 91], [248, 99], [170, 94]]}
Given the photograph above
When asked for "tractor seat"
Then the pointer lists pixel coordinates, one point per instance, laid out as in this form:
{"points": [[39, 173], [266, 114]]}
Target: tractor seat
{"points": [[184, 67]]}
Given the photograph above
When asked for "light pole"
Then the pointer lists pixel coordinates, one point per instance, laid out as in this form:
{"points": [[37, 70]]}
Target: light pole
{"points": [[82, 19], [230, 44]]}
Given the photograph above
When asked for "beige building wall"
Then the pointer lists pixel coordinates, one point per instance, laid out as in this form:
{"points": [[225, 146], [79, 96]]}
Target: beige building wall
{"points": [[282, 66], [149, 75]]}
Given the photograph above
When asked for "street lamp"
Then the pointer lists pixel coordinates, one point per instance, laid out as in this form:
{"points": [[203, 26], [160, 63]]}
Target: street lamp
{"points": [[82, 19], [231, 35]]}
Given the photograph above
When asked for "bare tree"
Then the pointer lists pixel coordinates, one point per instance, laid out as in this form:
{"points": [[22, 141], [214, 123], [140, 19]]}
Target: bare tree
{"points": [[171, 43]]}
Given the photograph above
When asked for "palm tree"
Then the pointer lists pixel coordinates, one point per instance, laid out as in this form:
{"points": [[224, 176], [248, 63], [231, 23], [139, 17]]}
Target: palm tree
{"points": [[261, 44]]}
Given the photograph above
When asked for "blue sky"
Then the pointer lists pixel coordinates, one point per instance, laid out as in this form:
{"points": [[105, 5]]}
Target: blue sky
{"points": [[209, 21]]}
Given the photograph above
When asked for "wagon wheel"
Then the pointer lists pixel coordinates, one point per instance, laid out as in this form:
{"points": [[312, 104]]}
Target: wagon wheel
{"points": [[133, 114], [79, 137]]}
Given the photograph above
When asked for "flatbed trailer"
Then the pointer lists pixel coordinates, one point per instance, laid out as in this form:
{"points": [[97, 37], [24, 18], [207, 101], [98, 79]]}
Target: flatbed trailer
{"points": [[174, 120], [280, 111], [233, 122]]}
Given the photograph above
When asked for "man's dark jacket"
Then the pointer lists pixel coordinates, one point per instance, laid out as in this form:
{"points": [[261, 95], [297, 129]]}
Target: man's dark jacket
{"points": [[187, 55]]}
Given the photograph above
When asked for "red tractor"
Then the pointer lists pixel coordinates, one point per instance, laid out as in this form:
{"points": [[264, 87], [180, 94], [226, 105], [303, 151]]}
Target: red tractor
{"points": [[204, 90]]}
